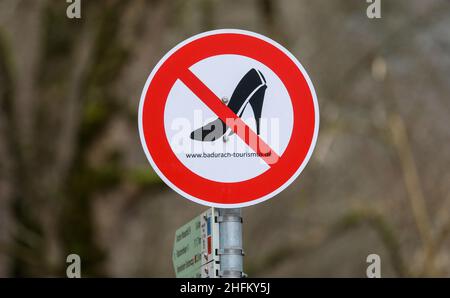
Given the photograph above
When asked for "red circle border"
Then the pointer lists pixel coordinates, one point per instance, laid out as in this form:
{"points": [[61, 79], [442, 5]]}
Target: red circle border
{"points": [[225, 193]]}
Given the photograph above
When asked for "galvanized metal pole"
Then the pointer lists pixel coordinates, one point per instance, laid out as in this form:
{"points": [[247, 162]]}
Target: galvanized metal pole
{"points": [[230, 243]]}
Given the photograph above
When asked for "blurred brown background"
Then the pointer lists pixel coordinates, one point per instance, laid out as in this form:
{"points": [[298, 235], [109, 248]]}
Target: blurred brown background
{"points": [[74, 178]]}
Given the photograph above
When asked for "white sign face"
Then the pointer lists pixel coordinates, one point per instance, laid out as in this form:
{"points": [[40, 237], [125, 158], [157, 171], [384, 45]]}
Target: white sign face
{"points": [[184, 113], [228, 118]]}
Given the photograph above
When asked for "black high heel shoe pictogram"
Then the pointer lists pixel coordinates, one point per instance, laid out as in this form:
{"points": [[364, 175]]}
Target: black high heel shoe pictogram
{"points": [[250, 90]]}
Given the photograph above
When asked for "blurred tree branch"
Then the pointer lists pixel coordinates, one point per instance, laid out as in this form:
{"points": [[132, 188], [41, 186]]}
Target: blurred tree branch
{"points": [[348, 222]]}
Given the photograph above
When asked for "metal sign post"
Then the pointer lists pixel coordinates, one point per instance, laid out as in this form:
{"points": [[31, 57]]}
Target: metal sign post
{"points": [[230, 243]]}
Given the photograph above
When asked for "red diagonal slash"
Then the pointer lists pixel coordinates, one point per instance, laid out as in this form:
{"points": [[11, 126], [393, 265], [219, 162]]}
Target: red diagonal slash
{"points": [[226, 115]]}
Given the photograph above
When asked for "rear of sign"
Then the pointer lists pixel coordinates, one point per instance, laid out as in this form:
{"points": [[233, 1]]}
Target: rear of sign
{"points": [[195, 247]]}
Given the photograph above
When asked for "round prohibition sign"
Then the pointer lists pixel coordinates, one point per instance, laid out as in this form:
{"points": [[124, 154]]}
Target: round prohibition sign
{"points": [[283, 169]]}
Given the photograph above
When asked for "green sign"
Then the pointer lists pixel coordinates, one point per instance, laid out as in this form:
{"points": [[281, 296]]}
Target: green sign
{"points": [[195, 247], [187, 249]]}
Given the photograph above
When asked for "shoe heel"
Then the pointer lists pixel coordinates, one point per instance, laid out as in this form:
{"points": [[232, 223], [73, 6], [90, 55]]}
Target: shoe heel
{"points": [[256, 102]]}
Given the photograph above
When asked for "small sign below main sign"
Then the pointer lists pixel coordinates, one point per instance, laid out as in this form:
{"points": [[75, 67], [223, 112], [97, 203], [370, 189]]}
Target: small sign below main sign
{"points": [[195, 247]]}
